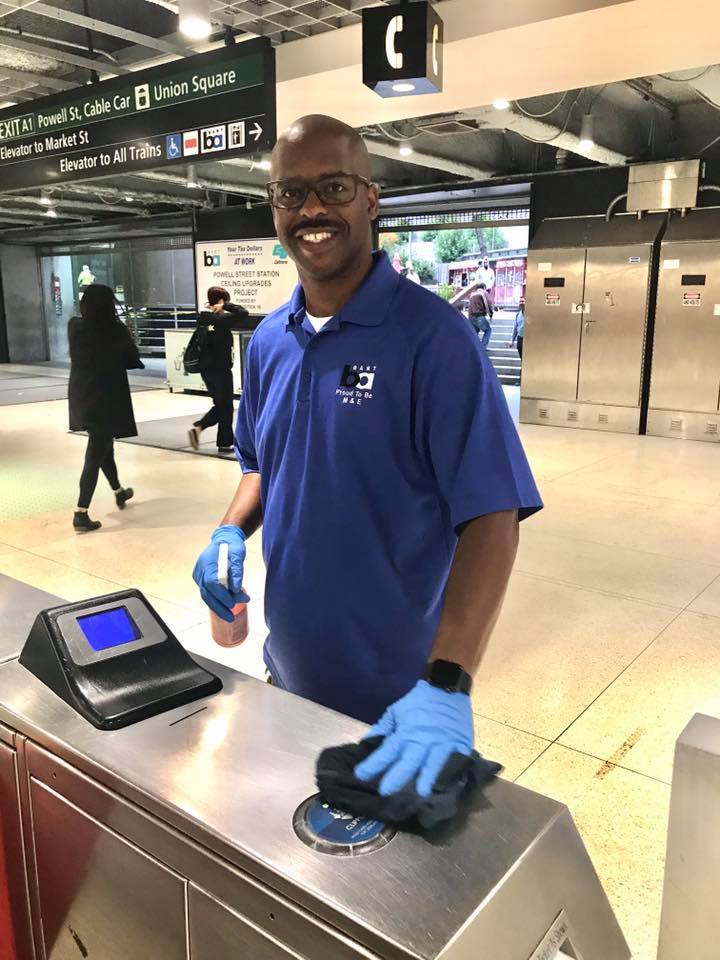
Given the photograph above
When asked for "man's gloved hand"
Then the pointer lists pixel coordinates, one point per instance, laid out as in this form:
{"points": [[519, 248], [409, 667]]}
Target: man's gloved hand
{"points": [[220, 599], [421, 731]]}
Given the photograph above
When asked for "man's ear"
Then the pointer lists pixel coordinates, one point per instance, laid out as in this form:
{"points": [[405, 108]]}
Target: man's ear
{"points": [[374, 201]]}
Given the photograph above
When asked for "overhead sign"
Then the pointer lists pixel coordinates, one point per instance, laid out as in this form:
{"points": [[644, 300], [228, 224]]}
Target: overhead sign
{"points": [[258, 274], [402, 49], [218, 103]]}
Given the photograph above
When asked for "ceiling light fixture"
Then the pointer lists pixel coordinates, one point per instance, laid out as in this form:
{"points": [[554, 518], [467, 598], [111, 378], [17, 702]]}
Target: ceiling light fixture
{"points": [[406, 151], [587, 132], [194, 18], [501, 104], [128, 198], [45, 198], [191, 178], [51, 213], [403, 87], [263, 164]]}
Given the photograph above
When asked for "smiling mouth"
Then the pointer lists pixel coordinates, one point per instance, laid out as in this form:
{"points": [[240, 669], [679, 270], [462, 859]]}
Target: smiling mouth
{"points": [[316, 237]]}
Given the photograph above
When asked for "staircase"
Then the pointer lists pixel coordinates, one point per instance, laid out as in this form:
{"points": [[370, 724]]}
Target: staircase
{"points": [[504, 358]]}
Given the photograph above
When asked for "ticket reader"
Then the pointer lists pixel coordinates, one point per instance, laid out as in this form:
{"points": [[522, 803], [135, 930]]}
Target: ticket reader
{"points": [[114, 660]]}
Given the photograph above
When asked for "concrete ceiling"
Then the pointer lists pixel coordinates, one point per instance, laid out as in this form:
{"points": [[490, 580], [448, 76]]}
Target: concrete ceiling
{"points": [[543, 56]]}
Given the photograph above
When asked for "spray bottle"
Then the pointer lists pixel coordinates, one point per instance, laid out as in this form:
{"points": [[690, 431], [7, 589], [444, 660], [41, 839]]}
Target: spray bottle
{"points": [[223, 633]]}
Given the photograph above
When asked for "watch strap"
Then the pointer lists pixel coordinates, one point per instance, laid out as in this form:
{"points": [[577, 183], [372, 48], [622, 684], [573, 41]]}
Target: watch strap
{"points": [[448, 676]]}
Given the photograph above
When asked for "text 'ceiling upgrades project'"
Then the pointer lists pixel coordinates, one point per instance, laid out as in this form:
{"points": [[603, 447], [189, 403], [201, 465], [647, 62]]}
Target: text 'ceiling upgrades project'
{"points": [[208, 106]]}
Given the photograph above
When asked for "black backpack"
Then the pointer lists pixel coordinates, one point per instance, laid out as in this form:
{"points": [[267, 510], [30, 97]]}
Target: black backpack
{"points": [[194, 350]]}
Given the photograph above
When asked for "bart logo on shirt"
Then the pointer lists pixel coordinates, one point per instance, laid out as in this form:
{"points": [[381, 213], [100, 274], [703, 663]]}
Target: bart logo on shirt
{"points": [[356, 383]]}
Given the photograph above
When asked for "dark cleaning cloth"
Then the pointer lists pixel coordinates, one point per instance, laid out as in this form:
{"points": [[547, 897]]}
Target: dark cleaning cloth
{"points": [[340, 787]]}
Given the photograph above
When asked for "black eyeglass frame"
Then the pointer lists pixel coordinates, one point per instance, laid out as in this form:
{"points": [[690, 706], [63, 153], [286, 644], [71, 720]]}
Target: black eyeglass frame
{"points": [[311, 186]]}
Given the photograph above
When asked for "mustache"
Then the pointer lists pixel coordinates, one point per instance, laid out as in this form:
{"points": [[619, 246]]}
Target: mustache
{"points": [[317, 225]]}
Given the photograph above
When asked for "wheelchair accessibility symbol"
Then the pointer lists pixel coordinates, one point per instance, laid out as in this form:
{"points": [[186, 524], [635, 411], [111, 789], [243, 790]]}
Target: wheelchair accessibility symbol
{"points": [[173, 146]]}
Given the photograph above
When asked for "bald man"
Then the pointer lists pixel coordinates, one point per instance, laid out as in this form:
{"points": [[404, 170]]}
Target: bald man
{"points": [[379, 456]]}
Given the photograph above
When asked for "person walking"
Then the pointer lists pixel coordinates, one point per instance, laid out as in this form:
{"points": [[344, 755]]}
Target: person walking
{"points": [[519, 328], [101, 352], [412, 275], [485, 274], [480, 312], [216, 358], [380, 459]]}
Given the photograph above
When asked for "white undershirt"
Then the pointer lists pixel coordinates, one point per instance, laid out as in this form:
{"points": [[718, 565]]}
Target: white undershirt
{"points": [[317, 322]]}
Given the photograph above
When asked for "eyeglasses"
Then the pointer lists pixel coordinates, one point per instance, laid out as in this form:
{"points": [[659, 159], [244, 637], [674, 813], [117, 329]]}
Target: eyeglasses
{"points": [[335, 190]]}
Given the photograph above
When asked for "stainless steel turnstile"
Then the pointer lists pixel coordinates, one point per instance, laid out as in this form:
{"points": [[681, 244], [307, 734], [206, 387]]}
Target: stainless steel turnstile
{"points": [[685, 386], [690, 926], [174, 839], [588, 307]]}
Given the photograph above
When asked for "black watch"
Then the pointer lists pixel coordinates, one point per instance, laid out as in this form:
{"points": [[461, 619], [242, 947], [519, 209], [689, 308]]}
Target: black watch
{"points": [[448, 676]]}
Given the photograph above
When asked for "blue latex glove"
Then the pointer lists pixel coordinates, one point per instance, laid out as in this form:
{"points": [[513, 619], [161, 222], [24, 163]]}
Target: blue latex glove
{"points": [[221, 600], [421, 731]]}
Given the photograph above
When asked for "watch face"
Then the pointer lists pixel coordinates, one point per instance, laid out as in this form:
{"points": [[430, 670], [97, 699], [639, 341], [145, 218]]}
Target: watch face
{"points": [[445, 674]]}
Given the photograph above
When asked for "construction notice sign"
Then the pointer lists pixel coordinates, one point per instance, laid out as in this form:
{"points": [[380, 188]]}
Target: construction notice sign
{"points": [[210, 106], [258, 274]]}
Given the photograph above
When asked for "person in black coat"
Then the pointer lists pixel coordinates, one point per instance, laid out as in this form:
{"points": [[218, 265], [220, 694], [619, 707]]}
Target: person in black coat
{"points": [[101, 352], [216, 366]]}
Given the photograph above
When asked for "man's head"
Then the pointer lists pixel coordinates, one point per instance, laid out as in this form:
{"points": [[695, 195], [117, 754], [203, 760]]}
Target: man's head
{"points": [[522, 301], [486, 263], [217, 295], [326, 240]]}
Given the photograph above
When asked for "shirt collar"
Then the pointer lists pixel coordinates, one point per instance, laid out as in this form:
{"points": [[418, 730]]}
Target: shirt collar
{"points": [[369, 304]]}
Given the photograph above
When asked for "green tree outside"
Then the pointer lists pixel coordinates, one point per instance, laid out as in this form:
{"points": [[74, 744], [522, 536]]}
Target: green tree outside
{"points": [[452, 244], [426, 271]]}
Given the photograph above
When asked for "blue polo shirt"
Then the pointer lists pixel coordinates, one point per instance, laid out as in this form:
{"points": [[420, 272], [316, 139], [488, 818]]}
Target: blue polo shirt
{"points": [[376, 439]]}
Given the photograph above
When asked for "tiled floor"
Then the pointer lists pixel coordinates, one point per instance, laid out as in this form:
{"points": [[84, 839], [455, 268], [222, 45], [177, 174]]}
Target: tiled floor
{"points": [[608, 643]]}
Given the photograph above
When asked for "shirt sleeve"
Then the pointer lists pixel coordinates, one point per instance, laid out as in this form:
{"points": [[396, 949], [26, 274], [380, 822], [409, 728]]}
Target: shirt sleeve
{"points": [[464, 429], [247, 414]]}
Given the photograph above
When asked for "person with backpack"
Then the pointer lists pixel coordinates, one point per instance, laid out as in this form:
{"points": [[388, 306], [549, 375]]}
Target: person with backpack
{"points": [[212, 354], [480, 312], [101, 352]]}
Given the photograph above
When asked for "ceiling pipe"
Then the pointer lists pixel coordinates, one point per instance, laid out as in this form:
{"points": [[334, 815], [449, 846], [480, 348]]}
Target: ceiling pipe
{"points": [[17, 221], [391, 151], [31, 215], [645, 89], [43, 38], [539, 131], [75, 205], [613, 203], [204, 183], [138, 196], [707, 85], [37, 79], [62, 56]]}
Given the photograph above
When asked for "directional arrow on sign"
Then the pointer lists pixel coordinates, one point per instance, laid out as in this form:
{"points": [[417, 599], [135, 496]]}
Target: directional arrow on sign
{"points": [[256, 131]]}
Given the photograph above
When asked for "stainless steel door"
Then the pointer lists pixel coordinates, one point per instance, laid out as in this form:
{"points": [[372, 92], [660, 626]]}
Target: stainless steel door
{"points": [[686, 358], [613, 324], [100, 896], [551, 348], [15, 937]]}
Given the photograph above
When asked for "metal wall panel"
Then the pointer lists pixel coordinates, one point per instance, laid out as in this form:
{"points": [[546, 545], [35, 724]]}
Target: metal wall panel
{"points": [[15, 939], [613, 324], [686, 358], [217, 933], [552, 327], [100, 896]]}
